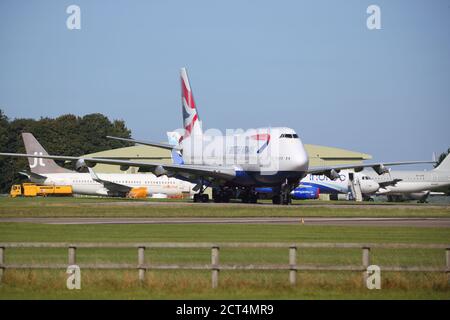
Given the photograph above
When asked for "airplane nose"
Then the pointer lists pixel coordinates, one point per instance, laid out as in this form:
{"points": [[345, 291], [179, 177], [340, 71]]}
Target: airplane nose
{"points": [[301, 163], [374, 186]]}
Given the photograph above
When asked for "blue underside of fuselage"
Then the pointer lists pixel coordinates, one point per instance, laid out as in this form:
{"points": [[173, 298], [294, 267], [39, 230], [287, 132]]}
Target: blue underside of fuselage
{"points": [[257, 179], [321, 187]]}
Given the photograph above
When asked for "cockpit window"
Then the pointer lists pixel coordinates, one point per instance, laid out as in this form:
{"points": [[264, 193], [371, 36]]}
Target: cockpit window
{"points": [[289, 136]]}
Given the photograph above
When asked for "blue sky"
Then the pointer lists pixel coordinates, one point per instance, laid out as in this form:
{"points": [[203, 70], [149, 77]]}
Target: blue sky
{"points": [[310, 65]]}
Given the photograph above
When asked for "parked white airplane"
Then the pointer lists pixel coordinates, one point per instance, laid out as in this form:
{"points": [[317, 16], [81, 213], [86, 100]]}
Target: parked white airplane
{"points": [[47, 172], [343, 184], [413, 185], [233, 165]]}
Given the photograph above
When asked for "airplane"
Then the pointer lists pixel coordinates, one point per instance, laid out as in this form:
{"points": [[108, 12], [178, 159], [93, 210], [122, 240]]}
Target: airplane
{"points": [[47, 172], [400, 185], [234, 164], [342, 185], [312, 185]]}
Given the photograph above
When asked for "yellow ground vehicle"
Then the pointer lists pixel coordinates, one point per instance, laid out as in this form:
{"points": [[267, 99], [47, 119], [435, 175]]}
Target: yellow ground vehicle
{"points": [[33, 190]]}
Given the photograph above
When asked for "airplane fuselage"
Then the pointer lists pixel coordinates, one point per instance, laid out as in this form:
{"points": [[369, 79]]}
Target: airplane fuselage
{"points": [[342, 184], [82, 183], [260, 157], [412, 181]]}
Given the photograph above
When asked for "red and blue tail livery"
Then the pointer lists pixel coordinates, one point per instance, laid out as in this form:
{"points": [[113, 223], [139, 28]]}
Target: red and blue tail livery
{"points": [[190, 115]]}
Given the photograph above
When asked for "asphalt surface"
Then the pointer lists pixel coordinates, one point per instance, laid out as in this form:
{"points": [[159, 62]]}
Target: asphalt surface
{"points": [[383, 222], [259, 205]]}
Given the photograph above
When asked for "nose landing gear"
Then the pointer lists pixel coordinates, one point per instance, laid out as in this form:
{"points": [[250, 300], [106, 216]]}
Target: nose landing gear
{"points": [[283, 194]]}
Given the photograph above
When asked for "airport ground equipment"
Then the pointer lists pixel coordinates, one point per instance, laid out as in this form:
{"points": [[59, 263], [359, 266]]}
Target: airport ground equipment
{"points": [[293, 266], [33, 190], [355, 187]]}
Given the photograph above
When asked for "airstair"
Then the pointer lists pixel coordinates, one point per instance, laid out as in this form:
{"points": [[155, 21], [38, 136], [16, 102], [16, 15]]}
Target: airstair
{"points": [[354, 187]]}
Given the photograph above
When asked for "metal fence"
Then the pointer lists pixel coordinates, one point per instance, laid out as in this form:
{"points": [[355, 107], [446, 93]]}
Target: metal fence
{"points": [[292, 267]]}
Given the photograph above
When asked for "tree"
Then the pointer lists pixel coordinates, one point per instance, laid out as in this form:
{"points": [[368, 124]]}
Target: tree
{"points": [[65, 135], [6, 164], [442, 157]]}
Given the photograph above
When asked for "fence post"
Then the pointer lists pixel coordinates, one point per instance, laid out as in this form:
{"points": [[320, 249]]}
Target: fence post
{"points": [[447, 257], [365, 262], [2, 261], [72, 255], [141, 262], [215, 266], [293, 265]]}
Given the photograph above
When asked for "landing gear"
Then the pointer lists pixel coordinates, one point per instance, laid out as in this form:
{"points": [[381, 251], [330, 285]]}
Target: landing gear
{"points": [[276, 199], [221, 195], [395, 198], [224, 194], [286, 189], [368, 198], [249, 196], [201, 197], [283, 195]]}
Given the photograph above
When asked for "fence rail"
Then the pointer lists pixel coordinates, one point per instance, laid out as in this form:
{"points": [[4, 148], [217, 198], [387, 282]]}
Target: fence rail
{"points": [[293, 267]]}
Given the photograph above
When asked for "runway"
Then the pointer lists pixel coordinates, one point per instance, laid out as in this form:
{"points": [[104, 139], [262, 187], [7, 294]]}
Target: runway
{"points": [[379, 222]]}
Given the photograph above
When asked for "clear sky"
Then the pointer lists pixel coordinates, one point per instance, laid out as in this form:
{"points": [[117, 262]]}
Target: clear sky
{"points": [[310, 65]]}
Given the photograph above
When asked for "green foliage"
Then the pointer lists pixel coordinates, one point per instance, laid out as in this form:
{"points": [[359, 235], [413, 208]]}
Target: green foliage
{"points": [[65, 135], [442, 157]]}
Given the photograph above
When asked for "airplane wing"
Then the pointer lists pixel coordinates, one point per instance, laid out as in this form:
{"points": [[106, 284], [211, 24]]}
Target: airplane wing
{"points": [[389, 183], [188, 171], [206, 172], [380, 168], [33, 175], [147, 143], [111, 186]]}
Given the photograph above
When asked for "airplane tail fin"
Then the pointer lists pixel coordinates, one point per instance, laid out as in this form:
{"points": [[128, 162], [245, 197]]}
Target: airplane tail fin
{"points": [[191, 122], [445, 164], [39, 165]]}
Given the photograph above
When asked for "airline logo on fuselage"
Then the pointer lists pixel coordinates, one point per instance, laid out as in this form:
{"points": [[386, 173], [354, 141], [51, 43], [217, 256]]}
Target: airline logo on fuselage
{"points": [[265, 137], [320, 178]]}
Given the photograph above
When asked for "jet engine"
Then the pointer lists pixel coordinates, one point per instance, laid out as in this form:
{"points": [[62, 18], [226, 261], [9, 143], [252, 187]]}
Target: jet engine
{"points": [[380, 169], [81, 164], [305, 192], [137, 193]]}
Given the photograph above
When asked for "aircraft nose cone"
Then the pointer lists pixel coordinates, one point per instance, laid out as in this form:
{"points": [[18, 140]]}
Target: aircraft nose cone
{"points": [[374, 186], [301, 163]]}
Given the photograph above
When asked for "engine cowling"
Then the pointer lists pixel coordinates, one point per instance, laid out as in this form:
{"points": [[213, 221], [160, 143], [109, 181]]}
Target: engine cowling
{"points": [[137, 193], [381, 169], [305, 192], [159, 171], [124, 167], [332, 174], [83, 164]]}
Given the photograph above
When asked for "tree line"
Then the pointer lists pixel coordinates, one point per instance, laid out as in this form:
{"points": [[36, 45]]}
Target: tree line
{"points": [[65, 135]]}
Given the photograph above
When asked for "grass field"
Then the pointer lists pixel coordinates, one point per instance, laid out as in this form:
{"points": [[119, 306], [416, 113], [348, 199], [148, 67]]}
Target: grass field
{"points": [[50, 284], [107, 207]]}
